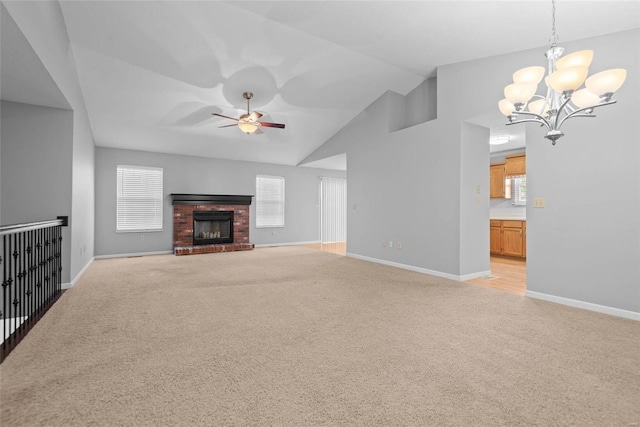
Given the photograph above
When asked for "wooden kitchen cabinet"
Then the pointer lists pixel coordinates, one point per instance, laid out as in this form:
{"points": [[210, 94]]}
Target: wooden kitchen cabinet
{"points": [[515, 164], [496, 181], [512, 238], [495, 238], [508, 238], [524, 239]]}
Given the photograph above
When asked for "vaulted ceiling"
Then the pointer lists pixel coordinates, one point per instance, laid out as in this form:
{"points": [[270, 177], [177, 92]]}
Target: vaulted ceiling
{"points": [[152, 73]]}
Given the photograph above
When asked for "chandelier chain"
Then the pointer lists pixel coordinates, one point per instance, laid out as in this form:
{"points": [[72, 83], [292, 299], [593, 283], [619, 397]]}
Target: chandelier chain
{"points": [[554, 37]]}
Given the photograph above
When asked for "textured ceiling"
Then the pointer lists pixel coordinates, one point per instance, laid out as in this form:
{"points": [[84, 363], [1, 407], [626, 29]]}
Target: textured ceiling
{"points": [[153, 72]]}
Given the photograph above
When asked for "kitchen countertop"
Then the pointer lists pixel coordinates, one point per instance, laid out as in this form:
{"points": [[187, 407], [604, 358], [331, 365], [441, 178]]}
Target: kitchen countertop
{"points": [[507, 218]]}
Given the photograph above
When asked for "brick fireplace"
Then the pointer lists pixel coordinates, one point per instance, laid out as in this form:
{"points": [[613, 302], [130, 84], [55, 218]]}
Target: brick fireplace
{"points": [[221, 223]]}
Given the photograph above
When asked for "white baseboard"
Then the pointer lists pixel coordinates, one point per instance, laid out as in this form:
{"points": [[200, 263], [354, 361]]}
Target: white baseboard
{"points": [[470, 276], [421, 270], [136, 254], [267, 245], [585, 305], [78, 276]]}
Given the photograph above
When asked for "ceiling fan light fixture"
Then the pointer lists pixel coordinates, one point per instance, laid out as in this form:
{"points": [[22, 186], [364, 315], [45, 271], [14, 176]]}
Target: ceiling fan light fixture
{"points": [[248, 123], [247, 127]]}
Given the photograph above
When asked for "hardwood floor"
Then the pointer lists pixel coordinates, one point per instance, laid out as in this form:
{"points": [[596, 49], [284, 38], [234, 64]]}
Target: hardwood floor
{"points": [[507, 274], [339, 248]]}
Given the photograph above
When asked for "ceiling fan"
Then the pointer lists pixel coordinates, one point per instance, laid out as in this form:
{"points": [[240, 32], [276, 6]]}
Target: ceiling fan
{"points": [[248, 123]]}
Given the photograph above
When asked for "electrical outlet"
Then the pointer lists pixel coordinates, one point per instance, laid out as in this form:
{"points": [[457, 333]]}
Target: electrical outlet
{"points": [[390, 243], [399, 246], [384, 243], [539, 202]]}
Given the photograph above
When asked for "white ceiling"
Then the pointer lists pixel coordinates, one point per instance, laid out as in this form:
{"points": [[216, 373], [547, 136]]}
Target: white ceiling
{"points": [[153, 72]]}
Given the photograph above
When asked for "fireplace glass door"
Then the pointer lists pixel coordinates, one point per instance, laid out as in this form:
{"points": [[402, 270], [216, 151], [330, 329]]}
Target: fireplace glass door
{"points": [[212, 227]]}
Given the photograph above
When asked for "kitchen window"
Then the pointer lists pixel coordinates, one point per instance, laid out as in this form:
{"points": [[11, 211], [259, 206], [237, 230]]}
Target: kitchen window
{"points": [[516, 188]]}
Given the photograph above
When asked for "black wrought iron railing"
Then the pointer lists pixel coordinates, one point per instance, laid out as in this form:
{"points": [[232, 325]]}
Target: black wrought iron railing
{"points": [[31, 268]]}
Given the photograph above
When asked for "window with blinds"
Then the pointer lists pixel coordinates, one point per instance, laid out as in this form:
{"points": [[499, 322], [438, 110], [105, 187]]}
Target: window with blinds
{"points": [[269, 201], [518, 190], [139, 195]]}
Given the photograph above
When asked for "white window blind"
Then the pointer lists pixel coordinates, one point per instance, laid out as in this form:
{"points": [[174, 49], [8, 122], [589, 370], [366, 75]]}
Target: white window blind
{"points": [[269, 201], [139, 198], [518, 190]]}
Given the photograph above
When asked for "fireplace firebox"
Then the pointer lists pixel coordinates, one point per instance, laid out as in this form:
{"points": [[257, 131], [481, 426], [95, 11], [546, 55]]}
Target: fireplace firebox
{"points": [[212, 227]]}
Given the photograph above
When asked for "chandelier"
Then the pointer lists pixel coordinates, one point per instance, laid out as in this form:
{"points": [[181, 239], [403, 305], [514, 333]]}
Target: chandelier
{"points": [[563, 99]]}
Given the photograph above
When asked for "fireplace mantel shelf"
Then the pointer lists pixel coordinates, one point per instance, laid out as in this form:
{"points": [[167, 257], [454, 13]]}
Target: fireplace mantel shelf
{"points": [[210, 199]]}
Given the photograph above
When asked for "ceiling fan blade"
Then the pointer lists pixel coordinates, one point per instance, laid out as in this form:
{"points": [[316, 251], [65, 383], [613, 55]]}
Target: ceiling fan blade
{"points": [[227, 126], [254, 116], [271, 125], [226, 117]]}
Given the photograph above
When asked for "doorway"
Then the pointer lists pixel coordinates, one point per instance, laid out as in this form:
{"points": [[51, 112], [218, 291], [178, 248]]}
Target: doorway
{"points": [[333, 214]]}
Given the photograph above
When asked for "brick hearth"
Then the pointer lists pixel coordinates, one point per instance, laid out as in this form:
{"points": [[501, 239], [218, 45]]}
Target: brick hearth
{"points": [[185, 204]]}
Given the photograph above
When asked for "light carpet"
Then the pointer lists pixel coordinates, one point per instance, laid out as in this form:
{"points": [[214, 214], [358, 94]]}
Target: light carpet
{"points": [[296, 337]]}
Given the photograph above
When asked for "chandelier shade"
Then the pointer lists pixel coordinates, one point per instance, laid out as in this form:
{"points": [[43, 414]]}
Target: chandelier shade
{"points": [[565, 98], [568, 79], [584, 99], [506, 107], [581, 58], [519, 93], [606, 82], [529, 75], [539, 107]]}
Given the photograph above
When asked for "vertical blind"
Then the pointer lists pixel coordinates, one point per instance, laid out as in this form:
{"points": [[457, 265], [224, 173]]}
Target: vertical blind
{"points": [[333, 210], [269, 201], [139, 195]]}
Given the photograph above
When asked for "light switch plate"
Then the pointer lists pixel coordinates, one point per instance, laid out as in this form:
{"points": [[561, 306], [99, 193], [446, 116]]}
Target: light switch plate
{"points": [[538, 202]]}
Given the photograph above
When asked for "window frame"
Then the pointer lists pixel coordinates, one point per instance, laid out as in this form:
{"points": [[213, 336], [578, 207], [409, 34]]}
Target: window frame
{"points": [[517, 193], [157, 200], [260, 201]]}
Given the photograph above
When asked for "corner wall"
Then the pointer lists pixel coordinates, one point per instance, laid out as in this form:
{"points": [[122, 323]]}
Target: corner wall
{"points": [[35, 184], [43, 26]]}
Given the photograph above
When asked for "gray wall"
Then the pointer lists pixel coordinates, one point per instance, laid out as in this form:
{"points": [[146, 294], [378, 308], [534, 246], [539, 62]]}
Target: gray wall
{"points": [[474, 204], [583, 246], [418, 106], [406, 186], [35, 180], [43, 26], [198, 175]]}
